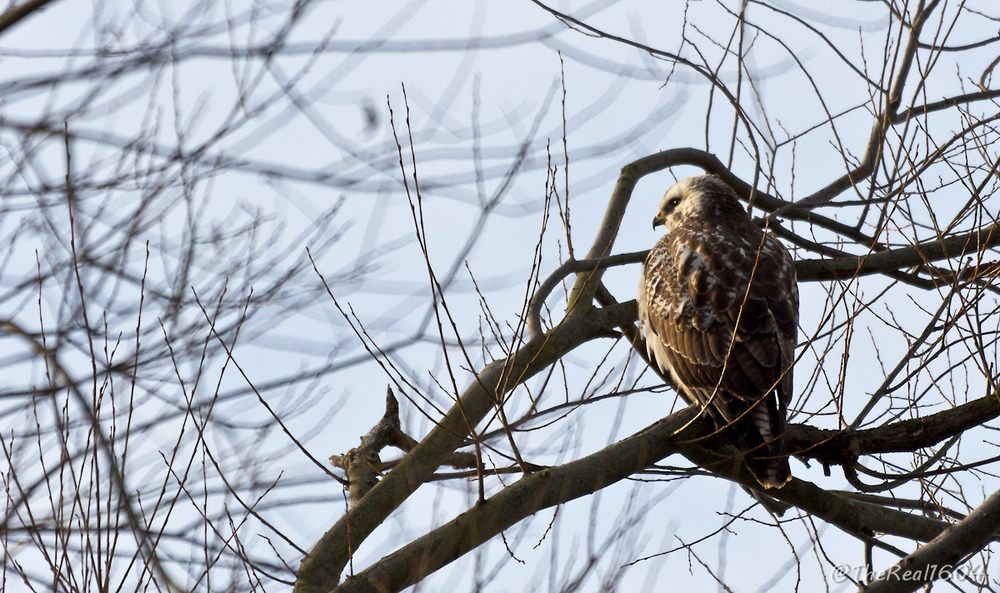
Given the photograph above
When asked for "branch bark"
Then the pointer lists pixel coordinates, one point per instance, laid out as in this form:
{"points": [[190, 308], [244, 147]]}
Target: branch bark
{"points": [[320, 570], [16, 14], [681, 432], [361, 464], [840, 447], [940, 557], [525, 497], [903, 257]]}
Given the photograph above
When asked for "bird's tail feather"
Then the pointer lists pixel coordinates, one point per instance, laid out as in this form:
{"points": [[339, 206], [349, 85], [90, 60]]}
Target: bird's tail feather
{"points": [[769, 466], [763, 445]]}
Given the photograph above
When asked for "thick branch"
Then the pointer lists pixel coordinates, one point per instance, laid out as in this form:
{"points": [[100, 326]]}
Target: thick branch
{"points": [[944, 553], [525, 497], [361, 464], [18, 13], [838, 447], [858, 518], [589, 474], [680, 432], [321, 568], [903, 257]]}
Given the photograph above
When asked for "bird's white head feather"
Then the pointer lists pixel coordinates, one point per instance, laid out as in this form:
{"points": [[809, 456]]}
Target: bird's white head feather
{"points": [[700, 196]]}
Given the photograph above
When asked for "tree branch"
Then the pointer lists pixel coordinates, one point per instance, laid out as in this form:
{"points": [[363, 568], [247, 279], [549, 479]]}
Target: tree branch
{"points": [[941, 556], [903, 257], [840, 447], [320, 569], [525, 497], [361, 464], [15, 14], [568, 267], [684, 432]]}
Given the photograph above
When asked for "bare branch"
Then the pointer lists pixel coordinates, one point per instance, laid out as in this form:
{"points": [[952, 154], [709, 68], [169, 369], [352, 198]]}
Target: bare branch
{"points": [[941, 557]]}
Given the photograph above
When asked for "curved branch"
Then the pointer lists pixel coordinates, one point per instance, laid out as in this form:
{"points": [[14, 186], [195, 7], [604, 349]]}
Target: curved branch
{"points": [[532, 493], [559, 274], [903, 257], [860, 519], [520, 500], [321, 568], [940, 557], [840, 447], [586, 284], [18, 13]]}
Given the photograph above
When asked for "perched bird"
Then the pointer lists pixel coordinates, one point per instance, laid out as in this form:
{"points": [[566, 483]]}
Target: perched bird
{"points": [[719, 307]]}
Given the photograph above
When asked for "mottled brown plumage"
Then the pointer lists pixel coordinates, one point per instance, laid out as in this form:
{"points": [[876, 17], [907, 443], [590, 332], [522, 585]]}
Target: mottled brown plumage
{"points": [[728, 348]]}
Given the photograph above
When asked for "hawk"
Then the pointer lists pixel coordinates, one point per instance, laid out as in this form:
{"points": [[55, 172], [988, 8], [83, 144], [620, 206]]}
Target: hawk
{"points": [[719, 307]]}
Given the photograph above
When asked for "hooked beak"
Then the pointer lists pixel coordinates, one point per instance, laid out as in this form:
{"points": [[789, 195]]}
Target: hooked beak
{"points": [[657, 221]]}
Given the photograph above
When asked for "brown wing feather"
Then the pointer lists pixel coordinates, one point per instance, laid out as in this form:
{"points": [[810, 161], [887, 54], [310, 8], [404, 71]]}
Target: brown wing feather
{"points": [[727, 345], [694, 307]]}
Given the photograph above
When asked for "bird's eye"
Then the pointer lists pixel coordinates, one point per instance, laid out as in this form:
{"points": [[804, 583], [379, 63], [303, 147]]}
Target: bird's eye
{"points": [[671, 205]]}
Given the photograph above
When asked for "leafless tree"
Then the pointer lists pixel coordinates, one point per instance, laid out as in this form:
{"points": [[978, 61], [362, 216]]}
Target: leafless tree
{"points": [[223, 240]]}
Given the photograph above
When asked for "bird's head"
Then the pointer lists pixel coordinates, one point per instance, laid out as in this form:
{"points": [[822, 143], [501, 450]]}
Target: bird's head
{"points": [[703, 196]]}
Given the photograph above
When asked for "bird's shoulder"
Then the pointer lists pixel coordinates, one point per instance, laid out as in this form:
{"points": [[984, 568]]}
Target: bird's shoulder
{"points": [[702, 275]]}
